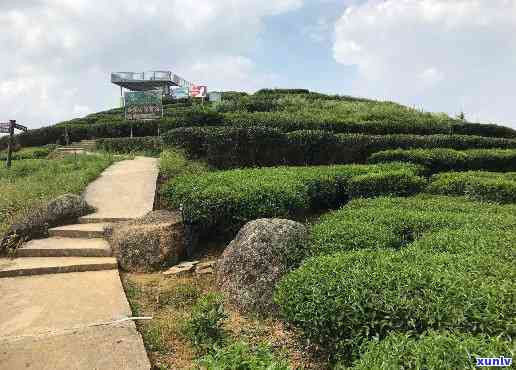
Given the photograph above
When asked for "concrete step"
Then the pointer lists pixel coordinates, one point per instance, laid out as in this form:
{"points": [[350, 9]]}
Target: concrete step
{"points": [[70, 148], [96, 220], [65, 247], [79, 231], [53, 265]]}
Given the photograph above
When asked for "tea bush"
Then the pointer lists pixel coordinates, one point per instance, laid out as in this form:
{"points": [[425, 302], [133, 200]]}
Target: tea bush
{"points": [[384, 223], [484, 186], [225, 200], [341, 301], [150, 145], [436, 351], [438, 160], [226, 147]]}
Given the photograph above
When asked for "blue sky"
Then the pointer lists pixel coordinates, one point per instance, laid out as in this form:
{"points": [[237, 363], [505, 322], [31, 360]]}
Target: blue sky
{"points": [[437, 55]]}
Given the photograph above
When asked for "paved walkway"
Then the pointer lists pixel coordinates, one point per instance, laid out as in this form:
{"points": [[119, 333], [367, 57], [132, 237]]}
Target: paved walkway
{"points": [[62, 302]]}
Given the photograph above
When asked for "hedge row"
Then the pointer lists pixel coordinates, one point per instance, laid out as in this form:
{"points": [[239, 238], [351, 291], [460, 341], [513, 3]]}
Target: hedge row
{"points": [[225, 200], [436, 351], [430, 263], [151, 145], [28, 153], [392, 224], [438, 160], [228, 147], [483, 186]]}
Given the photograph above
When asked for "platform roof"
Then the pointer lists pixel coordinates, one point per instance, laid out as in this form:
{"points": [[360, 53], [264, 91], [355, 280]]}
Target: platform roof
{"points": [[141, 81]]}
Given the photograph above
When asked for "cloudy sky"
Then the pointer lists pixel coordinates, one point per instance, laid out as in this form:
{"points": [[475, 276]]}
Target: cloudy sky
{"points": [[438, 55]]}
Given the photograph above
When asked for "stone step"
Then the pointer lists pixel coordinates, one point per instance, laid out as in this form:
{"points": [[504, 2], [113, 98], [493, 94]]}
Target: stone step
{"points": [[65, 247], [96, 220], [61, 148], [79, 231], [53, 265]]}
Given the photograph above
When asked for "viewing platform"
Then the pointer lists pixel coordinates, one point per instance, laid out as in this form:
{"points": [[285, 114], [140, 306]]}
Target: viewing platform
{"points": [[152, 80]]}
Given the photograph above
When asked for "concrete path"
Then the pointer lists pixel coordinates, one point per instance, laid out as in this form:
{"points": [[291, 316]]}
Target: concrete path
{"points": [[66, 314], [125, 190]]}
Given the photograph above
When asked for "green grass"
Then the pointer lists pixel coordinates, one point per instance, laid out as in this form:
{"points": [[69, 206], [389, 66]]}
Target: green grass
{"points": [[28, 153], [33, 182]]}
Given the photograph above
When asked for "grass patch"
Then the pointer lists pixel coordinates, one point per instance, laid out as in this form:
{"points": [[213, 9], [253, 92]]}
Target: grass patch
{"points": [[31, 183]]}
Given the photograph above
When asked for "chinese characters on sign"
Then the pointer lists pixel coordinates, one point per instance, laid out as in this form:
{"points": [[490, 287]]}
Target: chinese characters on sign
{"points": [[143, 105], [198, 91]]}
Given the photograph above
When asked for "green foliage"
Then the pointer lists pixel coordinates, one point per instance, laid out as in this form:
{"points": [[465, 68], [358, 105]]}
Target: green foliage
{"points": [[404, 264], [341, 301], [223, 201], [434, 350], [31, 183], [391, 183], [173, 163], [240, 356], [484, 186], [438, 160], [287, 110], [204, 327], [384, 223], [227, 147], [28, 153], [149, 145]]}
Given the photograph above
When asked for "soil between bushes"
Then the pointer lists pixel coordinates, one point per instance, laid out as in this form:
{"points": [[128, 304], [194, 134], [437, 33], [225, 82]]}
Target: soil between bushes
{"points": [[169, 300]]}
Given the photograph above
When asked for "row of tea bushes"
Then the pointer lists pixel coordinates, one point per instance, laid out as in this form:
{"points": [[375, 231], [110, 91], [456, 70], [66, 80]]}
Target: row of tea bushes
{"points": [[222, 201], [434, 350], [404, 265], [483, 186], [439, 160], [229, 147], [150, 145]]}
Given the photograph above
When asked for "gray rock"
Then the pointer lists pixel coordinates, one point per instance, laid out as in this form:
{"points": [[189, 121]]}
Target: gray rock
{"points": [[263, 251], [150, 243], [36, 222]]}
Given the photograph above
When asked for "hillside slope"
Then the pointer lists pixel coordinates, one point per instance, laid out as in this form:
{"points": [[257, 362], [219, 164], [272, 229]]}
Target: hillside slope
{"points": [[287, 110]]}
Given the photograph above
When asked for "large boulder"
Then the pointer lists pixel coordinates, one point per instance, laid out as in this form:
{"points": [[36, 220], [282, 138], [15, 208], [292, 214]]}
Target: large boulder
{"points": [[35, 223], [150, 243], [263, 251]]}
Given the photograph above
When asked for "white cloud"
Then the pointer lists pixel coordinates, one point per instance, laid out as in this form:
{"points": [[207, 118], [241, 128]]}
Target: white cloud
{"points": [[446, 55], [56, 55]]}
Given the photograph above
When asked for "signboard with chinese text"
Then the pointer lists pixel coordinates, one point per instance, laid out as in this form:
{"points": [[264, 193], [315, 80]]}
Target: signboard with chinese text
{"points": [[198, 91], [143, 105]]}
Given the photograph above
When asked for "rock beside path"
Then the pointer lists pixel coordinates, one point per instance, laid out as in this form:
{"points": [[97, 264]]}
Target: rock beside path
{"points": [[149, 243], [263, 251], [64, 209]]}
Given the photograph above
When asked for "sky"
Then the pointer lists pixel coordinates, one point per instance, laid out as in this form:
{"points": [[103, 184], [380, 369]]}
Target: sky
{"points": [[438, 55]]}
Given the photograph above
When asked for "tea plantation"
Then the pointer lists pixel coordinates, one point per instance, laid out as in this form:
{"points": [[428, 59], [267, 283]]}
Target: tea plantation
{"points": [[412, 215]]}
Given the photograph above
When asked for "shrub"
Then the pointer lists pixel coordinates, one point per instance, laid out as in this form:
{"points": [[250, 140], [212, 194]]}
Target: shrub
{"points": [[393, 223], [449, 160], [226, 147], [150, 145], [204, 327], [434, 350], [484, 186], [341, 301], [241, 356], [391, 183], [226, 200], [173, 163], [29, 153]]}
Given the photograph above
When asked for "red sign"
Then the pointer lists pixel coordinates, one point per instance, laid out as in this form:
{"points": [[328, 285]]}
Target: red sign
{"points": [[198, 91]]}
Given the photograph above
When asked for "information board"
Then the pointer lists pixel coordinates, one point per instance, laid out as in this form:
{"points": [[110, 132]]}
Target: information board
{"points": [[143, 105]]}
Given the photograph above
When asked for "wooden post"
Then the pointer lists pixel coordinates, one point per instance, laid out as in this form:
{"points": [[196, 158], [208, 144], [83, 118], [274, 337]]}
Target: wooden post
{"points": [[10, 142]]}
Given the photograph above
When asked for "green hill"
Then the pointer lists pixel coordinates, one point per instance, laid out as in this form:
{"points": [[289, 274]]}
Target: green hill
{"points": [[285, 110]]}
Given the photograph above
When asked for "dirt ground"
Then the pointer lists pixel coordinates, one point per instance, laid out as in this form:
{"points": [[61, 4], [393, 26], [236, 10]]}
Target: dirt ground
{"points": [[169, 299]]}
